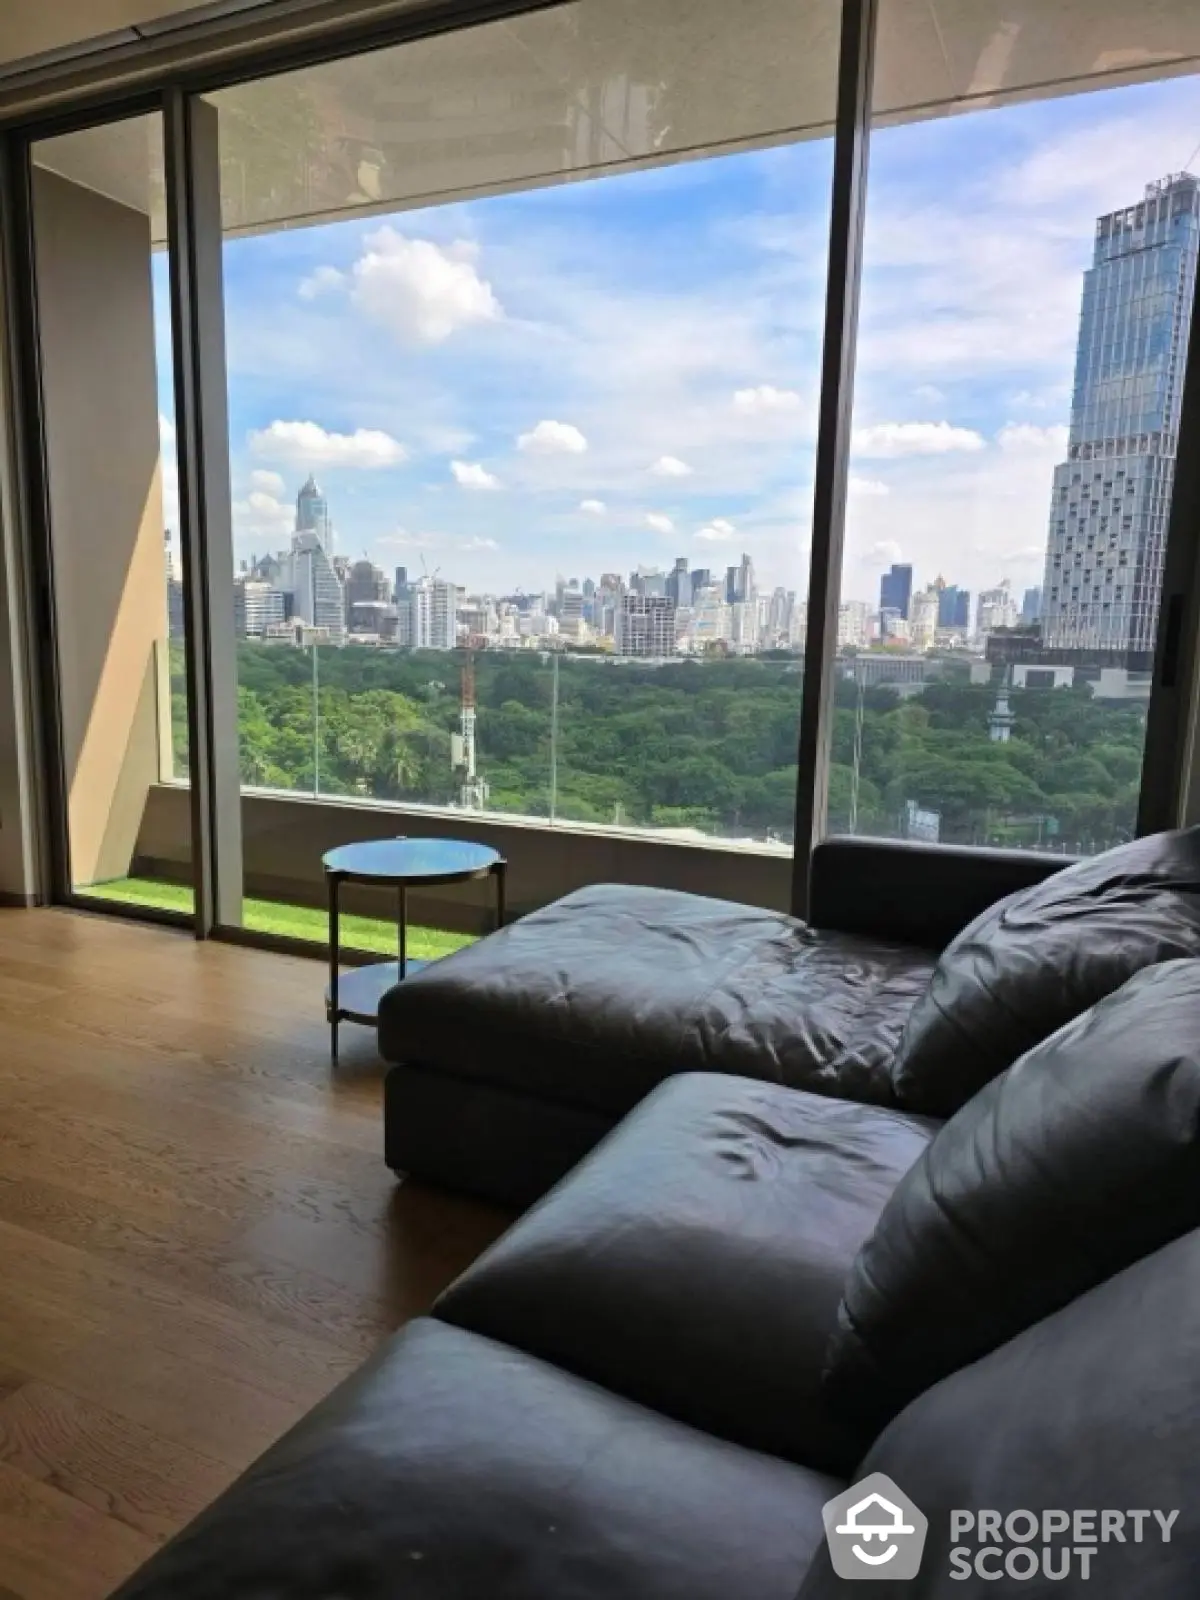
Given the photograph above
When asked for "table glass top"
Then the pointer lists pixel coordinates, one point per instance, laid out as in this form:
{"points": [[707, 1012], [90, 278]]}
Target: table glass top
{"points": [[411, 859]]}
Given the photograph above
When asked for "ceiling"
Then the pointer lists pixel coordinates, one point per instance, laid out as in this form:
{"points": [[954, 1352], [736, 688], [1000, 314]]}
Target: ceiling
{"points": [[55, 29], [604, 84]]}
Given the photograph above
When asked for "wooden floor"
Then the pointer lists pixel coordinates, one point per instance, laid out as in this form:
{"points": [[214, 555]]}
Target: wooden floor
{"points": [[198, 1236]]}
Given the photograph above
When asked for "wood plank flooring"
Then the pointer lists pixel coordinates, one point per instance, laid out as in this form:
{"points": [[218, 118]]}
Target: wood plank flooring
{"points": [[198, 1235]]}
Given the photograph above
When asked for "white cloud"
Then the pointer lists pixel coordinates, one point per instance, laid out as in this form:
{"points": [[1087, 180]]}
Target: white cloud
{"points": [[262, 515], [671, 467], [930, 393], [402, 539], [1027, 436], [764, 399], [868, 486], [308, 445], [268, 482], [887, 440], [471, 475], [419, 290], [166, 431], [325, 280], [659, 522], [443, 439], [593, 508], [884, 553], [478, 544], [718, 531], [553, 438]]}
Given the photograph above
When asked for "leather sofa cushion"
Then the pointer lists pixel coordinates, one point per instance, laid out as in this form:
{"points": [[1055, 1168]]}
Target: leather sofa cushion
{"points": [[593, 1000], [1094, 1408], [1079, 1159], [1042, 956], [914, 893], [451, 1467], [694, 1261]]}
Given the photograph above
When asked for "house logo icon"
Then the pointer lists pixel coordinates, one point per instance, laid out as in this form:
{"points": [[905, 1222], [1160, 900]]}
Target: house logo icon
{"points": [[874, 1530]]}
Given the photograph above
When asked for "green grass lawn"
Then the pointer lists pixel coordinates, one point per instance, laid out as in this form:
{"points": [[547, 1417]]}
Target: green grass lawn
{"points": [[298, 922]]}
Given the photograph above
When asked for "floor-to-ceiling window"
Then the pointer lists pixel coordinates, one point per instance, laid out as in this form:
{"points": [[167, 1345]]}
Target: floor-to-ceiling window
{"points": [[508, 343], [111, 501], [1028, 277], [523, 331]]}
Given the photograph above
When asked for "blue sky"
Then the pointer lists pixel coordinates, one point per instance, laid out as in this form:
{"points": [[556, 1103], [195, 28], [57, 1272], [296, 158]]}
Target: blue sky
{"points": [[583, 378]]}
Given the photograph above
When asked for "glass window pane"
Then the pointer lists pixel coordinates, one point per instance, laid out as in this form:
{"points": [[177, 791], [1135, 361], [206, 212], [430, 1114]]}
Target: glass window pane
{"points": [[523, 332], [105, 335], [1029, 269]]}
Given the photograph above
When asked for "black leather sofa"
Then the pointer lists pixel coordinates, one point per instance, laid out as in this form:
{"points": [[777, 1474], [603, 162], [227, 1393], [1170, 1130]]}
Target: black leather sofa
{"points": [[751, 1298], [516, 1055]]}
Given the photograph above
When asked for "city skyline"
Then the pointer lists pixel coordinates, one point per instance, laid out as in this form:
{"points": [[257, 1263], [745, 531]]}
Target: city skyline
{"points": [[735, 580], [632, 361]]}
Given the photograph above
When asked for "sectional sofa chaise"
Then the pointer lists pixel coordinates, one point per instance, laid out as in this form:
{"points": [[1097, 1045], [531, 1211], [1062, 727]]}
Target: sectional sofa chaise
{"points": [[948, 1231]]}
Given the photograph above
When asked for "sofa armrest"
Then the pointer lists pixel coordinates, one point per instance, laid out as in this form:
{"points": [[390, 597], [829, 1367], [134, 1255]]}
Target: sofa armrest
{"points": [[920, 894]]}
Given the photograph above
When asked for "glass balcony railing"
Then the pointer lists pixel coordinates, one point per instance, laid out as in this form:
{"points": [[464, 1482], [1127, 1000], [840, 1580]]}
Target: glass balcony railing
{"points": [[687, 750]]}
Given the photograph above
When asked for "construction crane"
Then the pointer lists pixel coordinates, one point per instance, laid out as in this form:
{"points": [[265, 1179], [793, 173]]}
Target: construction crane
{"points": [[473, 790]]}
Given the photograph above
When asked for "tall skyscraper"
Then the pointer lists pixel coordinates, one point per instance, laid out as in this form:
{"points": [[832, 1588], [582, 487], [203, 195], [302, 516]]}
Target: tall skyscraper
{"points": [[895, 590], [432, 606], [318, 595], [1108, 516], [1031, 606], [679, 583], [954, 607], [312, 513]]}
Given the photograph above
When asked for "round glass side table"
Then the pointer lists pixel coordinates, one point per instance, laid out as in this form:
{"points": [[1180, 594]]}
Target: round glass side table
{"points": [[354, 996]]}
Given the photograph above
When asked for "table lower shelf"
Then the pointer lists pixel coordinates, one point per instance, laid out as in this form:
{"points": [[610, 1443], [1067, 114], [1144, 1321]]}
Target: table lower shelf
{"points": [[360, 989]]}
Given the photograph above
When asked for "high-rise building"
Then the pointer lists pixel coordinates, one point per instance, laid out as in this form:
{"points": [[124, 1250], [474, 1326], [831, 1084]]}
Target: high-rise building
{"points": [[366, 586], [646, 626], [317, 593], [570, 612], [1031, 606], [852, 625], [256, 606], [923, 618], [1111, 498], [778, 629], [954, 608], [701, 578], [312, 513], [996, 608], [679, 583], [432, 604], [739, 583], [711, 622], [895, 590]]}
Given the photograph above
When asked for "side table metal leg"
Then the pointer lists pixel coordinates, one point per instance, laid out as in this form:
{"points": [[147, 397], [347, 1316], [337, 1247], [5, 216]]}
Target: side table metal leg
{"points": [[501, 876], [402, 934], [334, 964]]}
